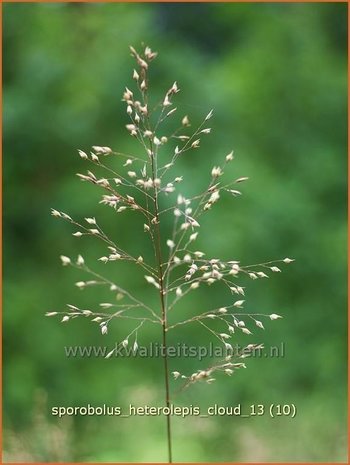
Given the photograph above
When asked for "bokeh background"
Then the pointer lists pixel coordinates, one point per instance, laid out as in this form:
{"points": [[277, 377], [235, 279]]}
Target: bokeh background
{"points": [[276, 76]]}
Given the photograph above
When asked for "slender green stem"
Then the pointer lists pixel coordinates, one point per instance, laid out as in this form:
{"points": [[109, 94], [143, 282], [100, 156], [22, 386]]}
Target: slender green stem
{"points": [[156, 239], [163, 309]]}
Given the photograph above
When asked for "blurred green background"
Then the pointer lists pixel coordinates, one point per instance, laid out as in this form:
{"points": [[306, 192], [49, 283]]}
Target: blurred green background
{"points": [[276, 76]]}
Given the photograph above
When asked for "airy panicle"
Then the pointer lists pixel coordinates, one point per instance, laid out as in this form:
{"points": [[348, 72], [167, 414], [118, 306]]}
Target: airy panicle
{"points": [[149, 186]]}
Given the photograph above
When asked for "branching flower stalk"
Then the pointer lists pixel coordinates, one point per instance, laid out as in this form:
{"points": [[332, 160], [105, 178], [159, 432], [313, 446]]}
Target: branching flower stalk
{"points": [[143, 184]]}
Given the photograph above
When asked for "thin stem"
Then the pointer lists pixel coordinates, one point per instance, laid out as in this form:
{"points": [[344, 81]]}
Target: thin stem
{"points": [[152, 152], [163, 309]]}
